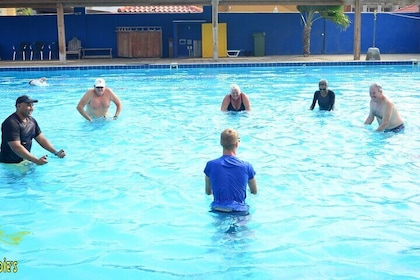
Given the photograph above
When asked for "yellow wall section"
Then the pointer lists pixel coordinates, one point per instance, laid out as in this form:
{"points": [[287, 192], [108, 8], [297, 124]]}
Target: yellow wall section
{"points": [[207, 40]]}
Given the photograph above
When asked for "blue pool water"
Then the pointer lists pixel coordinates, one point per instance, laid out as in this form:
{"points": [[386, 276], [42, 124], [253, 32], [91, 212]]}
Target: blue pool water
{"points": [[336, 200]]}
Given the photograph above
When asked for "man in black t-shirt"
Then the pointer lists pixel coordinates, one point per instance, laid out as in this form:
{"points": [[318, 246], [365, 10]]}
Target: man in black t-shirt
{"points": [[18, 130]]}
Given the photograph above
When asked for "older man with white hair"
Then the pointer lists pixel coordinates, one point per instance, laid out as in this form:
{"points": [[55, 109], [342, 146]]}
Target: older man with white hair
{"points": [[383, 108]]}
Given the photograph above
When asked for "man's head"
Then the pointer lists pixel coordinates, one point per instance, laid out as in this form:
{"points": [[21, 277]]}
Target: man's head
{"points": [[25, 99], [229, 139], [375, 91], [99, 86], [24, 106]]}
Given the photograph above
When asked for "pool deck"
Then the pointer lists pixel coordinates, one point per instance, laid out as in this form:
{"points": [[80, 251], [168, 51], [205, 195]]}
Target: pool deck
{"points": [[208, 61]]}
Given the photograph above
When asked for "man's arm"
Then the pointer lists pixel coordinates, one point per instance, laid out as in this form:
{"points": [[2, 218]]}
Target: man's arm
{"points": [[22, 152], [208, 186], [81, 106], [371, 117], [252, 183], [117, 102], [48, 146]]}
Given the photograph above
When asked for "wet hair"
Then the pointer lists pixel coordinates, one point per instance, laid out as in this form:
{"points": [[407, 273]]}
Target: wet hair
{"points": [[235, 87], [228, 138], [323, 82], [378, 86]]}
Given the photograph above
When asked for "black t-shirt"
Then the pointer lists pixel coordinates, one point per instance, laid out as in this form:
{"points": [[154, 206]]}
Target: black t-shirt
{"points": [[325, 103], [12, 129]]}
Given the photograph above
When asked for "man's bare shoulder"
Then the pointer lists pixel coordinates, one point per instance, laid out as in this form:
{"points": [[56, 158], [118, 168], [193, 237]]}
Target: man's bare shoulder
{"points": [[388, 102], [89, 92], [108, 93]]}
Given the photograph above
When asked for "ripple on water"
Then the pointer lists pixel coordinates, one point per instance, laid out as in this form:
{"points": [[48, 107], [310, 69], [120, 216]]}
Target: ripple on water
{"points": [[336, 199]]}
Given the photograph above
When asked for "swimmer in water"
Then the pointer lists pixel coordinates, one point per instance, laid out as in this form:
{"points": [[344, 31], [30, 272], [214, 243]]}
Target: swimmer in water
{"points": [[39, 82], [227, 177], [18, 131], [236, 100], [324, 96], [385, 111], [97, 102]]}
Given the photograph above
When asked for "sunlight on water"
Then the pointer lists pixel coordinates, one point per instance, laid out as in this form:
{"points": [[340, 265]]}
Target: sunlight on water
{"points": [[12, 238], [336, 200]]}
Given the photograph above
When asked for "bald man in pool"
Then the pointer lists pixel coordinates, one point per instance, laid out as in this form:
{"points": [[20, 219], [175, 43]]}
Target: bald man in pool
{"points": [[97, 102], [384, 110]]}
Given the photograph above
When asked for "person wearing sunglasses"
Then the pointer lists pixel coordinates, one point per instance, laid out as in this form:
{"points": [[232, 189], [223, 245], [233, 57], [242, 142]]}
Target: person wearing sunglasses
{"points": [[324, 96], [97, 102]]}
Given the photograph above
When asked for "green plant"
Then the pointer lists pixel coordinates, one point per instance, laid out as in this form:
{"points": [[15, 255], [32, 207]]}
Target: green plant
{"points": [[24, 11], [309, 14]]}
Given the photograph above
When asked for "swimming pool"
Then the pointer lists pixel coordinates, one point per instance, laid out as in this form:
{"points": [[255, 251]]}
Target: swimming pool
{"points": [[336, 200]]}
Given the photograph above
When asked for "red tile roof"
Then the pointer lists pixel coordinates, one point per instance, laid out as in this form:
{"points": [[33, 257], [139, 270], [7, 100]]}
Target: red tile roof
{"points": [[160, 9], [408, 9]]}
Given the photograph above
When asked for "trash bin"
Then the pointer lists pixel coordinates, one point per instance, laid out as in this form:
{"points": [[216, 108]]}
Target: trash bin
{"points": [[259, 44]]}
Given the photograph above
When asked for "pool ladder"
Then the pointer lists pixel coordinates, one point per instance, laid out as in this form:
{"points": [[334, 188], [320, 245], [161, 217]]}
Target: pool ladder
{"points": [[173, 65]]}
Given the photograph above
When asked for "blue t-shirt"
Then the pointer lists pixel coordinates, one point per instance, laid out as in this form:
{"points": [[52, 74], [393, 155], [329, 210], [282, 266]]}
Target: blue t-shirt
{"points": [[13, 129], [229, 178]]}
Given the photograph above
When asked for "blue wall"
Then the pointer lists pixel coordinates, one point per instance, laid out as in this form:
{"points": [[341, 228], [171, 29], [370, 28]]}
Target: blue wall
{"points": [[395, 33]]}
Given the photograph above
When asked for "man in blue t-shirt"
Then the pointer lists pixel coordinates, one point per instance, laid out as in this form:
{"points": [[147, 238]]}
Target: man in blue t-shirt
{"points": [[18, 130], [227, 177]]}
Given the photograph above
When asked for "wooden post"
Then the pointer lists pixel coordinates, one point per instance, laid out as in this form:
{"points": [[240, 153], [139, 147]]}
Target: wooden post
{"points": [[215, 24], [61, 33], [357, 35]]}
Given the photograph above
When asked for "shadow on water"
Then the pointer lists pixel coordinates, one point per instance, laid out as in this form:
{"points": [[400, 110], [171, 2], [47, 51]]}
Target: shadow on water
{"points": [[12, 173], [238, 115], [232, 237], [232, 225], [96, 123]]}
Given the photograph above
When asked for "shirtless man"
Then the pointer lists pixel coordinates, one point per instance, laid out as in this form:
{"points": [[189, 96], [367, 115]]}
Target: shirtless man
{"points": [[98, 101], [384, 110]]}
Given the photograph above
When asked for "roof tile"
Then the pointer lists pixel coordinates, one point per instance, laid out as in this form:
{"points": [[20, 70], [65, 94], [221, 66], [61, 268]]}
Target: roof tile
{"points": [[160, 9], [408, 9]]}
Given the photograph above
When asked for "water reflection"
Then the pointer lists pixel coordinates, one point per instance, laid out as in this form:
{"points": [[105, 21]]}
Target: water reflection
{"points": [[231, 227]]}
